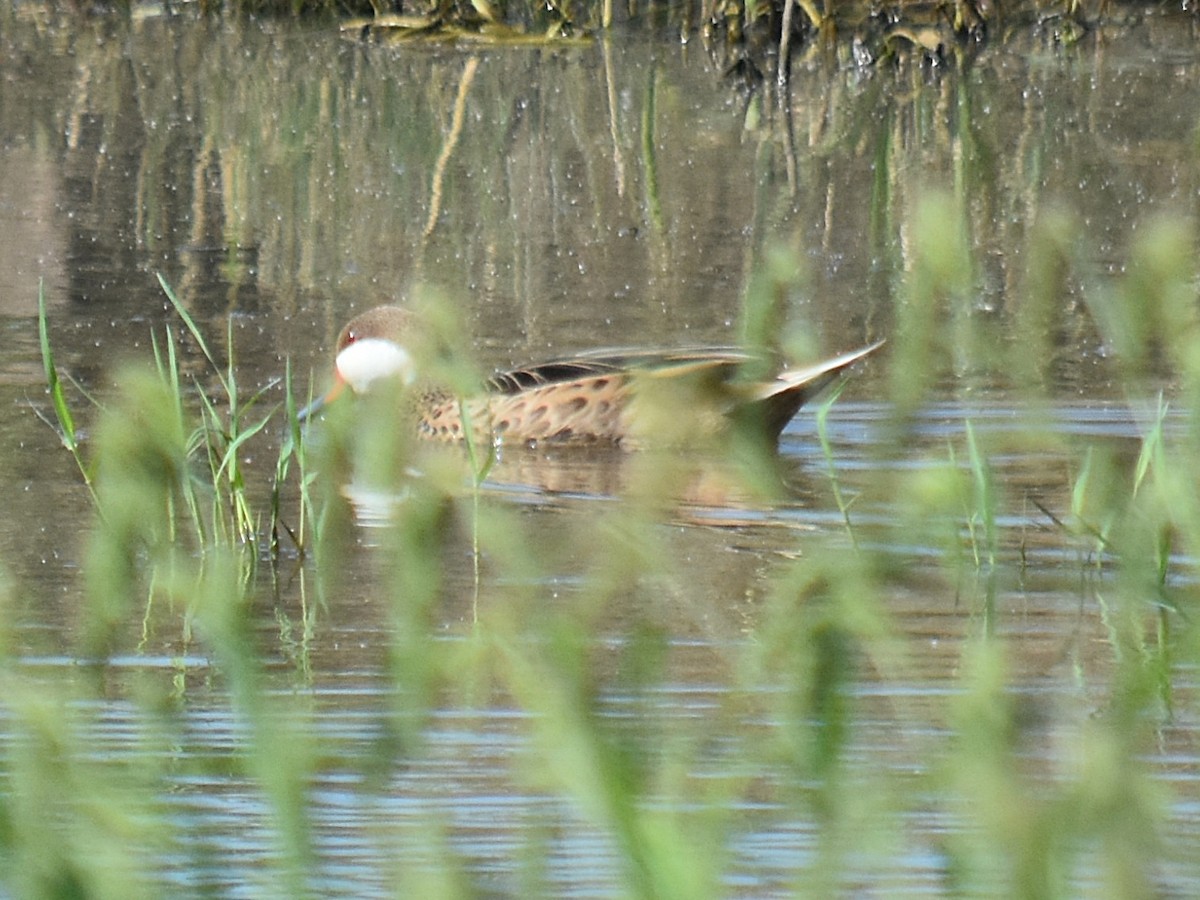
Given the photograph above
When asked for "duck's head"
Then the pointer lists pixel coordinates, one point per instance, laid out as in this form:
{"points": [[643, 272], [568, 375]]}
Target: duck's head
{"points": [[370, 348]]}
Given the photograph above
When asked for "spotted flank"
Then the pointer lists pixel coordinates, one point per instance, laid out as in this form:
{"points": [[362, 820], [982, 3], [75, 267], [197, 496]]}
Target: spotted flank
{"points": [[581, 410]]}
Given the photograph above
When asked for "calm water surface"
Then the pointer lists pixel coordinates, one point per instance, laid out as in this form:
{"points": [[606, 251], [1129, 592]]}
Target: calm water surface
{"points": [[611, 194]]}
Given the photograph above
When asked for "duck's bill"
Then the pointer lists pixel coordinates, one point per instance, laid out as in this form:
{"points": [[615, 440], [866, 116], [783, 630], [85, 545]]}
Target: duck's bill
{"points": [[321, 402]]}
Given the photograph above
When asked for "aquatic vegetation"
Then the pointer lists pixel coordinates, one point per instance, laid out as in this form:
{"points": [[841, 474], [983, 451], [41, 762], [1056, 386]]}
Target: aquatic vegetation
{"points": [[177, 522], [955, 657]]}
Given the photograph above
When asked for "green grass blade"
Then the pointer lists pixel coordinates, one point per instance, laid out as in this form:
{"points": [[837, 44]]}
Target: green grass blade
{"points": [[193, 329], [830, 466], [62, 411], [229, 460], [985, 501], [1152, 447]]}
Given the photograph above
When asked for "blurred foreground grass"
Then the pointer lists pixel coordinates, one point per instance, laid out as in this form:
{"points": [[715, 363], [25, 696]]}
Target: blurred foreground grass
{"points": [[175, 526]]}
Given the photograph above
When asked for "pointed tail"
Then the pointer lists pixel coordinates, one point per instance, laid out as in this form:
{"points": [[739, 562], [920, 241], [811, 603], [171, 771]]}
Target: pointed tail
{"points": [[792, 388]]}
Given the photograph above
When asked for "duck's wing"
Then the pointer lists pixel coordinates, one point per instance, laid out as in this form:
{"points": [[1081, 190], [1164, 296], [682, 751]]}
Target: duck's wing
{"points": [[587, 388], [605, 363]]}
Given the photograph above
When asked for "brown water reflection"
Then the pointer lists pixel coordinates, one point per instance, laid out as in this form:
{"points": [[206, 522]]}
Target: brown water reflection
{"points": [[619, 193]]}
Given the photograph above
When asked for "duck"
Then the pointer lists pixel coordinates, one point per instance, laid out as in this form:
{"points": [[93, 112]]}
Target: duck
{"points": [[625, 398]]}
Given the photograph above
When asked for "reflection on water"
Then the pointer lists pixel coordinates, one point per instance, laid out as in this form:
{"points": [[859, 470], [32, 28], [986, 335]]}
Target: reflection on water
{"points": [[609, 194]]}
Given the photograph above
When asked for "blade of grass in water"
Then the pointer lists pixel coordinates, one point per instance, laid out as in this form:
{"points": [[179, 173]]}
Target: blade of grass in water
{"points": [[1152, 447], [827, 451], [221, 432], [479, 472], [62, 411], [168, 372], [291, 447], [190, 323], [984, 511]]}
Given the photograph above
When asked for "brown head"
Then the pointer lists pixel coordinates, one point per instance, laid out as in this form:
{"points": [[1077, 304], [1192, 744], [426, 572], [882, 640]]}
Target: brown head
{"points": [[391, 323], [370, 348]]}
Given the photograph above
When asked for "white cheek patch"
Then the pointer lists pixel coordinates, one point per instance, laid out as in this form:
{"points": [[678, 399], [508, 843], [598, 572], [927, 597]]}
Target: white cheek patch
{"points": [[370, 359]]}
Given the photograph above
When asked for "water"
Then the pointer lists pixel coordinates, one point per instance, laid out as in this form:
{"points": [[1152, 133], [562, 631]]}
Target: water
{"points": [[281, 177]]}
